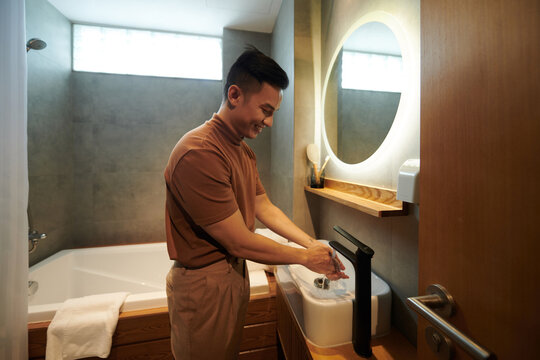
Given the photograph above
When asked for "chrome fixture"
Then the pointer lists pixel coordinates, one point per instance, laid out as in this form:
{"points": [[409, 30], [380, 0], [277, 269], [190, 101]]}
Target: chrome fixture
{"points": [[361, 261], [33, 240], [35, 44], [33, 286], [435, 307]]}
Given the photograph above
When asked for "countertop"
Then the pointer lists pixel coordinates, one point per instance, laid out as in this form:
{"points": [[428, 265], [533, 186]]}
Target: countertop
{"points": [[390, 347]]}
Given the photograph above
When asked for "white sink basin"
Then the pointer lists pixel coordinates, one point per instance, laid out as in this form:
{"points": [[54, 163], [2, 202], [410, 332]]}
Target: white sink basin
{"points": [[327, 315]]}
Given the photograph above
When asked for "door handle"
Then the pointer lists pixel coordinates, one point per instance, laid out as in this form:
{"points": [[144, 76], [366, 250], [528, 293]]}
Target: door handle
{"points": [[437, 305]]}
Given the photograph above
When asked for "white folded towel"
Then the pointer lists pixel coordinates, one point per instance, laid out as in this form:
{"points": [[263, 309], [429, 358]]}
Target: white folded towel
{"points": [[83, 327]]}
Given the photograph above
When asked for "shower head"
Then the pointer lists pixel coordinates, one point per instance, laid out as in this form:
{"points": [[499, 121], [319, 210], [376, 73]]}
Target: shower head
{"points": [[35, 44]]}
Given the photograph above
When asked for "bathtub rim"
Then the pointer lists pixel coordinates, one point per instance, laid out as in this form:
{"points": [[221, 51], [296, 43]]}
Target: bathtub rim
{"points": [[134, 302]]}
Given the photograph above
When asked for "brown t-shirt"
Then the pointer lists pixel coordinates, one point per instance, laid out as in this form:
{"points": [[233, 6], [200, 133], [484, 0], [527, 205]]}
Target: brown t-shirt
{"points": [[210, 174]]}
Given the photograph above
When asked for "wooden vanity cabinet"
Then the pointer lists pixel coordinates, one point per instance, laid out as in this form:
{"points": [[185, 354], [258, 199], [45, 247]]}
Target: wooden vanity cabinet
{"points": [[292, 340]]}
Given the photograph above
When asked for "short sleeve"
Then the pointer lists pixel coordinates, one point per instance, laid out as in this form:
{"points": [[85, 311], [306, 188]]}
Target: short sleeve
{"points": [[203, 181]]}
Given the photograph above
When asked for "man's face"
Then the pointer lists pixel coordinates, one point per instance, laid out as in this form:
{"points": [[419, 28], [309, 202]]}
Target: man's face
{"points": [[254, 112]]}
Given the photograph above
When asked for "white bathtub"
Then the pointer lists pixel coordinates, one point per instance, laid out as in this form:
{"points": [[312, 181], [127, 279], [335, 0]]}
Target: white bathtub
{"points": [[138, 269]]}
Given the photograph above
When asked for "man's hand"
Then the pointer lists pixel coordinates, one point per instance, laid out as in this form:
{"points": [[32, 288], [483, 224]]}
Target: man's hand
{"points": [[319, 259]]}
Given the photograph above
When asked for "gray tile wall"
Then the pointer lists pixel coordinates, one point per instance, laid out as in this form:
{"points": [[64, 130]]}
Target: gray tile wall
{"points": [[50, 165], [282, 141], [124, 130]]}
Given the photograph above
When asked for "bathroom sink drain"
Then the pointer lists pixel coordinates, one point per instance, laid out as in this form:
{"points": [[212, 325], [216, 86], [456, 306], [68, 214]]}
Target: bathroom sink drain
{"points": [[322, 283]]}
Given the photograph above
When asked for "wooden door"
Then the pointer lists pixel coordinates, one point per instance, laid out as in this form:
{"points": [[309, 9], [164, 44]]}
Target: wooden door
{"points": [[480, 169]]}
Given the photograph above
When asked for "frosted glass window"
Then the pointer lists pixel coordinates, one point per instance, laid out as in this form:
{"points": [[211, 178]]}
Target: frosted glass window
{"points": [[150, 53], [364, 71]]}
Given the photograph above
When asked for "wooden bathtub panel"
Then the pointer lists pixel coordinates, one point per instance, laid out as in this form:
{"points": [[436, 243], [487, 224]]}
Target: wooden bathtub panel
{"points": [[153, 350], [37, 339], [143, 327], [133, 327], [150, 350]]}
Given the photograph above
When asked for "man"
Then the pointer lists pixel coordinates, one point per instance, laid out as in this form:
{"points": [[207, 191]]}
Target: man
{"points": [[213, 196]]}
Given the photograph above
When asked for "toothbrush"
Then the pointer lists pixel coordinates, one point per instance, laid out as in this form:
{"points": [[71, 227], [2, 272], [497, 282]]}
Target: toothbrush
{"points": [[324, 165], [317, 174], [313, 155]]}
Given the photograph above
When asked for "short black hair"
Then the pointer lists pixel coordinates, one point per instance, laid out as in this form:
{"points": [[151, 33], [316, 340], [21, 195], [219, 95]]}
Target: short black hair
{"points": [[251, 69]]}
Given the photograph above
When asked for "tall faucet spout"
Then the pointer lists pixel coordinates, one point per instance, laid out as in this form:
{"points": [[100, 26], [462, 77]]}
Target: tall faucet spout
{"points": [[361, 261]]}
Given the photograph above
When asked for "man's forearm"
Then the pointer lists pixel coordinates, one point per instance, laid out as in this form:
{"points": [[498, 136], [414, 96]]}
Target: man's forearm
{"points": [[273, 218], [266, 251], [239, 241]]}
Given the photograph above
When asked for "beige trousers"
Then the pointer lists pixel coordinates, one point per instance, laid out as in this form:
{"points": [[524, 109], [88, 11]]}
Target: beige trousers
{"points": [[207, 308]]}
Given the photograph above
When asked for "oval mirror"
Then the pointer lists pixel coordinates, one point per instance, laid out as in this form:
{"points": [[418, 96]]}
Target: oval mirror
{"points": [[363, 91]]}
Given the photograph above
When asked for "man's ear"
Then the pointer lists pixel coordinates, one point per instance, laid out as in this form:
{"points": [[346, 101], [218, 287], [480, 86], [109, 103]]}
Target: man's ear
{"points": [[234, 95]]}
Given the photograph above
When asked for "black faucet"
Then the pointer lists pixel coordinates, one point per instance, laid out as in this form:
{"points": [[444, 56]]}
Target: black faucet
{"points": [[361, 261]]}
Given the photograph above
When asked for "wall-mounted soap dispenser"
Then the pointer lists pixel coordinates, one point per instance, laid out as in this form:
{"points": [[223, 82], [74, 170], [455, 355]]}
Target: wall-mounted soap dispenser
{"points": [[408, 181]]}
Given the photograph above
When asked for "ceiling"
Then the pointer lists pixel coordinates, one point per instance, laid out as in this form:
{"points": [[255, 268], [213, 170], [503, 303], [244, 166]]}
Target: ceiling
{"points": [[206, 17]]}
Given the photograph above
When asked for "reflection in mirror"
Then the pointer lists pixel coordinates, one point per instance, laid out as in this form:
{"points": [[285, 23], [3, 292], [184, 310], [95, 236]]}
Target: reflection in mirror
{"points": [[363, 92]]}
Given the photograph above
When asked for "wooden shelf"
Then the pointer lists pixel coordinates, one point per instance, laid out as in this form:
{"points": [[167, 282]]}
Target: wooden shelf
{"points": [[370, 200]]}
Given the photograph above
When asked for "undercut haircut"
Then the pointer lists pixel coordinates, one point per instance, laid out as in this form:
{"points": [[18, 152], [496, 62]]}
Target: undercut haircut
{"points": [[251, 70]]}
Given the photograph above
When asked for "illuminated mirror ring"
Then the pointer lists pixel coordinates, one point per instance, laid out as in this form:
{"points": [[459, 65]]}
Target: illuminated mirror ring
{"points": [[396, 119]]}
